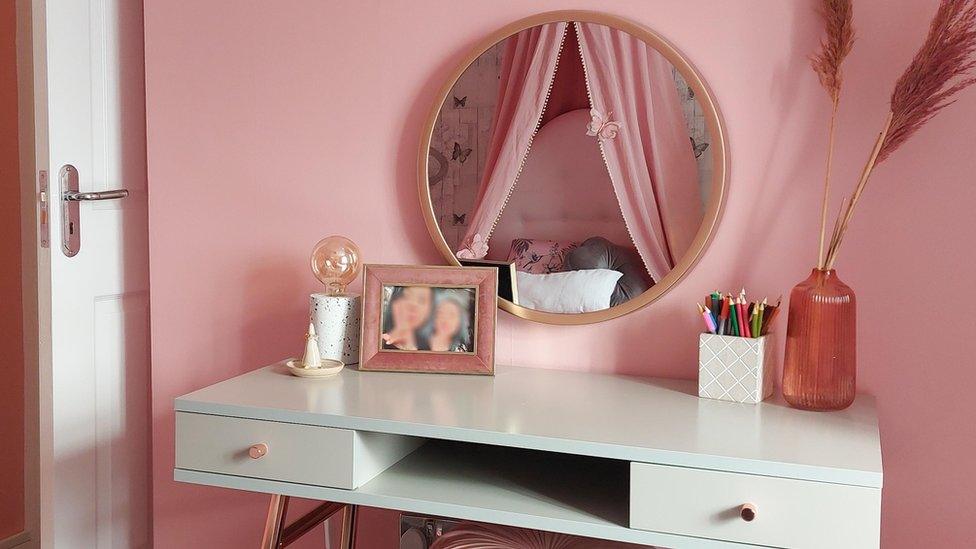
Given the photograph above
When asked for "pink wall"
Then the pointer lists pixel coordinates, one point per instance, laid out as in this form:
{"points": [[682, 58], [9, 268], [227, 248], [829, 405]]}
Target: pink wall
{"points": [[271, 125], [11, 319]]}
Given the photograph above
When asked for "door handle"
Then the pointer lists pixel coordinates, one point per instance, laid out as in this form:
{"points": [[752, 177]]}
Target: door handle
{"points": [[75, 196], [71, 210]]}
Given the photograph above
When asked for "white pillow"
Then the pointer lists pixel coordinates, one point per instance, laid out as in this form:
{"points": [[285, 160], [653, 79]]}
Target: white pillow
{"points": [[569, 292]]}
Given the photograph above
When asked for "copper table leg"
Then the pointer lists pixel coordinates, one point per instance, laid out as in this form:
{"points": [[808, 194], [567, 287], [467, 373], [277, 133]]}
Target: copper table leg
{"points": [[277, 536], [311, 519], [349, 520], [275, 523]]}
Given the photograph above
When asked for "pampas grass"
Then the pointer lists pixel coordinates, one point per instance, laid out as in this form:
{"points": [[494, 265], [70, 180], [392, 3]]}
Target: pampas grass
{"points": [[941, 68], [838, 16]]}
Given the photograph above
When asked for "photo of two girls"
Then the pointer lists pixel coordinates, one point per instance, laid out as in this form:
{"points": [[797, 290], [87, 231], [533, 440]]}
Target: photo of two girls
{"points": [[428, 318]]}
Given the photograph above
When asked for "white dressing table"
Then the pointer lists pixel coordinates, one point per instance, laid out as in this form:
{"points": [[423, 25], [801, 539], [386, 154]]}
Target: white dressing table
{"points": [[611, 457]]}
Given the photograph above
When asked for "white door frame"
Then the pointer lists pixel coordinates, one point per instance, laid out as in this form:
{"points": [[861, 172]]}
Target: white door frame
{"points": [[42, 285]]}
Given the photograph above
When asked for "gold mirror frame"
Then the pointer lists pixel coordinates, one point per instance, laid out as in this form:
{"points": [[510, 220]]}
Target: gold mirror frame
{"points": [[713, 120]]}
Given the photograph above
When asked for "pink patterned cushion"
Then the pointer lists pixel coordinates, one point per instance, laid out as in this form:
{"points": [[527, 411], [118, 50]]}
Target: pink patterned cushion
{"points": [[539, 256]]}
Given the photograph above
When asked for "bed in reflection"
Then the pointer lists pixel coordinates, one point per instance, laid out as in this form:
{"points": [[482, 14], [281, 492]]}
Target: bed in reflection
{"points": [[563, 228]]}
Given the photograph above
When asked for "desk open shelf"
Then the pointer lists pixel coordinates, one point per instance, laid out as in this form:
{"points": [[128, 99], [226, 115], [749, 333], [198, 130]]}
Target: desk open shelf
{"points": [[558, 492]]}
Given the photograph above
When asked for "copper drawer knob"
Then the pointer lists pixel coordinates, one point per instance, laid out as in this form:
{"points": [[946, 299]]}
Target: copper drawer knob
{"points": [[258, 451], [747, 512]]}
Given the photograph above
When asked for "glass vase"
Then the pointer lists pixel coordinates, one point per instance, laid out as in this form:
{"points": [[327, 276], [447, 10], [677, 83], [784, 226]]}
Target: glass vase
{"points": [[820, 369]]}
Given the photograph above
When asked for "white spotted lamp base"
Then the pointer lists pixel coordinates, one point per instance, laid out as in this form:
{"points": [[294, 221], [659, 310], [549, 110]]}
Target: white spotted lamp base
{"points": [[336, 319]]}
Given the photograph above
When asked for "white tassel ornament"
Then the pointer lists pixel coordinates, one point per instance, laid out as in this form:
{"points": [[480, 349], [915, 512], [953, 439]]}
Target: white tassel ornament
{"points": [[312, 358], [312, 364]]}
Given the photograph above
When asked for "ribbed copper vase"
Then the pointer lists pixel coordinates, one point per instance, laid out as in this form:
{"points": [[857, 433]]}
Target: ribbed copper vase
{"points": [[820, 368]]}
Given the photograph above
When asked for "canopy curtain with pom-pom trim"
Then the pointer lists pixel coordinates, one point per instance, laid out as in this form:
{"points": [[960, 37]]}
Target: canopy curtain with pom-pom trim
{"points": [[650, 160], [527, 72]]}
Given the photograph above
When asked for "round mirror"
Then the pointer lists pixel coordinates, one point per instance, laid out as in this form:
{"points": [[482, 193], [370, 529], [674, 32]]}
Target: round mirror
{"points": [[581, 155]]}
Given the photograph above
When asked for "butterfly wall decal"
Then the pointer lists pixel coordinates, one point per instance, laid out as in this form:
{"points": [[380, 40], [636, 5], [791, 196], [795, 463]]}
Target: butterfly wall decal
{"points": [[699, 148], [459, 154], [601, 126], [460, 103], [458, 219]]}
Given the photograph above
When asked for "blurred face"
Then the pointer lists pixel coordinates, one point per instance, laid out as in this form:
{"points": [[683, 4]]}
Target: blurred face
{"points": [[412, 308], [447, 319], [400, 311]]}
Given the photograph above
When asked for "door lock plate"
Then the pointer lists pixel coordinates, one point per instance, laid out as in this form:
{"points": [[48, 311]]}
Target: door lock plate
{"points": [[70, 211]]}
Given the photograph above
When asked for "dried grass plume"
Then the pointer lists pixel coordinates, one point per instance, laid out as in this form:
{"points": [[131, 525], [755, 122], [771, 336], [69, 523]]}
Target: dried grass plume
{"points": [[838, 16], [942, 68]]}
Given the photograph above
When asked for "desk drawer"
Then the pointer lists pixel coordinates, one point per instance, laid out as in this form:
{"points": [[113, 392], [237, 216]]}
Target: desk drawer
{"points": [[323, 456], [788, 513]]}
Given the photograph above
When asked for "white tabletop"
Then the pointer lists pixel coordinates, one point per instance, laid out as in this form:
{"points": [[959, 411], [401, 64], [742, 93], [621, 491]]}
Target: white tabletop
{"points": [[628, 418]]}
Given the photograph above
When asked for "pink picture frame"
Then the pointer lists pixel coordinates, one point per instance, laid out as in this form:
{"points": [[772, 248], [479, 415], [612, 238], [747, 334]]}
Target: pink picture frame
{"points": [[429, 319]]}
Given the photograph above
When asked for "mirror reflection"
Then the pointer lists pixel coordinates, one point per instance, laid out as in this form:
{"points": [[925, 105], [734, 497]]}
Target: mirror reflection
{"points": [[577, 152]]}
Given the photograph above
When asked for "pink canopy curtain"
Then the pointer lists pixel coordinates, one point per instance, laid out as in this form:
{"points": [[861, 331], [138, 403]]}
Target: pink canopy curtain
{"points": [[527, 72], [651, 162]]}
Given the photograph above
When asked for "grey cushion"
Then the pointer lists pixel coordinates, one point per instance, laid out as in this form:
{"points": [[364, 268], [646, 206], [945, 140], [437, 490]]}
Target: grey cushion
{"points": [[599, 253]]}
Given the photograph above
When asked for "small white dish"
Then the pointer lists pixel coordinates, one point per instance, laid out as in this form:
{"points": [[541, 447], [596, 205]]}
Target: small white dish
{"points": [[328, 368]]}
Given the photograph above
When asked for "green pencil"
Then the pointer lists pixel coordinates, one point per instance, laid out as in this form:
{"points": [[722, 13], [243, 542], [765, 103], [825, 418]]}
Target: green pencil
{"points": [[755, 320], [734, 318]]}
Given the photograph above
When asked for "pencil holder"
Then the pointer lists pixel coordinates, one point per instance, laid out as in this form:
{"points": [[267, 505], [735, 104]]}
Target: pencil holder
{"points": [[738, 369]]}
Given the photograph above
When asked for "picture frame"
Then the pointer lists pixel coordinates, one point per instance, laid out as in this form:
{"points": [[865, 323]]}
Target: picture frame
{"points": [[431, 319], [507, 282]]}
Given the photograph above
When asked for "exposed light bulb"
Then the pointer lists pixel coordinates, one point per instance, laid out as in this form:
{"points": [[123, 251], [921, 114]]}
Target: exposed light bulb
{"points": [[335, 262]]}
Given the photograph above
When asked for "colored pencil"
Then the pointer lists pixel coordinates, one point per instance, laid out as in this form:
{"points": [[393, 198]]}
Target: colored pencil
{"points": [[746, 306], [756, 308], [723, 317], [743, 319], [771, 311], [733, 315], [707, 316], [772, 317], [759, 317]]}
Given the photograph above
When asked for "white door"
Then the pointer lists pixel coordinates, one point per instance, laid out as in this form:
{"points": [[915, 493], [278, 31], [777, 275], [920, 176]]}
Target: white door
{"points": [[93, 299]]}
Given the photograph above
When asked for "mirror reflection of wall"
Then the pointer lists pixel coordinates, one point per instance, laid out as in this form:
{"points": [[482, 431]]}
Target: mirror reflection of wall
{"points": [[460, 142], [571, 147]]}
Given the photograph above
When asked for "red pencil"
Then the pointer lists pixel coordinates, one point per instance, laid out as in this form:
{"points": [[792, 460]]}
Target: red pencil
{"points": [[740, 314]]}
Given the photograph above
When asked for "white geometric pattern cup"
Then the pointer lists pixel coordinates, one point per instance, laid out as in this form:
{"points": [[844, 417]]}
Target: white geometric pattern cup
{"points": [[738, 369]]}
